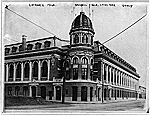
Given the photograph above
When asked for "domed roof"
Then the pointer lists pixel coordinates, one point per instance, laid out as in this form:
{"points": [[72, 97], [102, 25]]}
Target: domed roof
{"points": [[82, 22]]}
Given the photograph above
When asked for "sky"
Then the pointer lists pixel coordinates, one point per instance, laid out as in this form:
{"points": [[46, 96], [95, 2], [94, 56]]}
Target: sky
{"points": [[108, 19]]}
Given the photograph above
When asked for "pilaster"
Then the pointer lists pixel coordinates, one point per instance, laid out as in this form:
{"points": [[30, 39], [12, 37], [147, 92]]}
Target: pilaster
{"points": [[30, 74], [14, 76], [48, 73], [22, 71], [39, 70], [7, 69], [80, 71]]}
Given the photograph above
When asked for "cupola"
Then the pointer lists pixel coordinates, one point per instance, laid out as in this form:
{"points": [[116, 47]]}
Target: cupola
{"points": [[82, 31]]}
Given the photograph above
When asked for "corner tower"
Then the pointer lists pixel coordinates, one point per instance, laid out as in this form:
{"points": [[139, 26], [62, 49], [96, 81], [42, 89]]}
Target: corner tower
{"points": [[81, 52]]}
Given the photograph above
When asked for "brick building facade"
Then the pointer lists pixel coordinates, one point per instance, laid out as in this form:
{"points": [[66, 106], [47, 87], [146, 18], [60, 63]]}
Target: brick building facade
{"points": [[92, 72]]}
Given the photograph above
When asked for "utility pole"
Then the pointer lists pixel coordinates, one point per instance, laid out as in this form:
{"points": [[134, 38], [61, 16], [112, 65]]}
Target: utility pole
{"points": [[65, 69]]}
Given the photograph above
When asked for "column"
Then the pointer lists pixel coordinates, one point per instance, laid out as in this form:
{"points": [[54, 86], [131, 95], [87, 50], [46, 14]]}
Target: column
{"points": [[122, 79], [7, 72], [79, 94], [54, 98], [80, 71], [119, 77], [110, 74], [14, 77], [30, 74], [107, 73], [30, 90], [102, 79], [88, 93], [48, 75], [22, 71], [39, 70]]}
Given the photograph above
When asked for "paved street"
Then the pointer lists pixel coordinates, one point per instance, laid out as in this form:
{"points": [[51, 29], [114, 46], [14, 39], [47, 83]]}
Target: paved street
{"points": [[131, 106]]}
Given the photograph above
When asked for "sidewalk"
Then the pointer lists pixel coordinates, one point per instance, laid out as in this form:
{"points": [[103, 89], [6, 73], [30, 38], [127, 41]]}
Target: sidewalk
{"points": [[94, 102], [59, 104]]}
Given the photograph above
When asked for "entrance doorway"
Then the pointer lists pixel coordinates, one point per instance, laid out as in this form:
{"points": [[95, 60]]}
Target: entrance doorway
{"points": [[74, 93], [43, 92], [58, 93], [83, 93], [33, 91]]}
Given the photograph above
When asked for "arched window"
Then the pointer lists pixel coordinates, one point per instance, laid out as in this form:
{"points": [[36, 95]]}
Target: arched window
{"points": [[17, 88], [5, 73], [35, 70], [75, 60], [9, 90], [76, 39], [25, 90], [84, 60], [11, 73], [26, 71], [44, 69], [84, 39], [18, 72]]}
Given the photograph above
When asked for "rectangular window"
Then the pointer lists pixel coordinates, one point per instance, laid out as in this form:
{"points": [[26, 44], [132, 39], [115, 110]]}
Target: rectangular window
{"points": [[84, 73], [75, 73]]}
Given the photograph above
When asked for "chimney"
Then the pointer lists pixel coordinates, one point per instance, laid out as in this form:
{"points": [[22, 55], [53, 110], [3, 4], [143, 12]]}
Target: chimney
{"points": [[24, 42]]}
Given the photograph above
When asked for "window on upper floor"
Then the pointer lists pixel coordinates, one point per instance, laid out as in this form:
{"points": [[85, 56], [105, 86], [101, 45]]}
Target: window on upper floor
{"points": [[26, 71], [35, 69], [84, 39], [18, 72], [75, 60], [44, 69], [11, 73], [84, 60], [84, 73], [75, 73], [105, 71], [76, 39]]}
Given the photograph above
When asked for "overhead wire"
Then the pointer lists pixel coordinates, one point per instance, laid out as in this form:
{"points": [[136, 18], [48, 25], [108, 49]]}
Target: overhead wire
{"points": [[124, 29], [35, 24]]}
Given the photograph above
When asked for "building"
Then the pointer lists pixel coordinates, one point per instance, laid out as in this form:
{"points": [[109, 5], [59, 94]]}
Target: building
{"points": [[88, 70], [142, 92]]}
